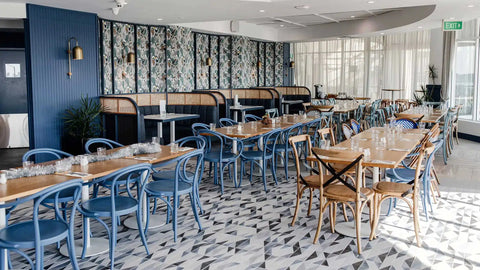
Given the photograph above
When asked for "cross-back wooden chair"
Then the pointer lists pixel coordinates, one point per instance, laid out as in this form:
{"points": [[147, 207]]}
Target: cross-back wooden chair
{"points": [[337, 189]]}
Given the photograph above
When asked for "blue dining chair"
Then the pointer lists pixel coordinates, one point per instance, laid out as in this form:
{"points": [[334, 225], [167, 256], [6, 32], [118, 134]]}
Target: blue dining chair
{"points": [[356, 127], [311, 128], [169, 175], [101, 142], [185, 181], [40, 232], [66, 195], [268, 140], [110, 145], [282, 148], [407, 174], [227, 122], [251, 117], [50, 152], [198, 126], [114, 206], [219, 154]]}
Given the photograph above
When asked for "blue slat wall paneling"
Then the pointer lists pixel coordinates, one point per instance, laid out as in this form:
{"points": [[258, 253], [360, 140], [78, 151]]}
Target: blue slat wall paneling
{"points": [[51, 91]]}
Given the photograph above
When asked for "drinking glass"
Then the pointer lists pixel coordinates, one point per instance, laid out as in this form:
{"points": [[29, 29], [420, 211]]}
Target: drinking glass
{"points": [[101, 151], [212, 126], [155, 140], [421, 125], [83, 160], [174, 147], [3, 178], [27, 164], [366, 153]]}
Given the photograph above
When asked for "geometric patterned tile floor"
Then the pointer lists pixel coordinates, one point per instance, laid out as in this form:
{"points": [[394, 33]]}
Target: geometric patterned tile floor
{"points": [[249, 229]]}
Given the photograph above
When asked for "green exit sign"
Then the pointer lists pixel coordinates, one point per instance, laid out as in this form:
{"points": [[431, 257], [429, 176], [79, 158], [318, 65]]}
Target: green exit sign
{"points": [[452, 26]]}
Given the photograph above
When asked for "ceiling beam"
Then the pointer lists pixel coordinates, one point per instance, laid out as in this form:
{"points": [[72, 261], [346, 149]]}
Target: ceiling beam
{"points": [[326, 17], [287, 21]]}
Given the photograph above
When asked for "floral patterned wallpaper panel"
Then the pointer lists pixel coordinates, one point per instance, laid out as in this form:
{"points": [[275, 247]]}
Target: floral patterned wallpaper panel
{"points": [[225, 62], [165, 60], [123, 43], [107, 57], [202, 53], [240, 65], [180, 60], [252, 59], [278, 64], [261, 69], [142, 58], [214, 54], [269, 64], [158, 69]]}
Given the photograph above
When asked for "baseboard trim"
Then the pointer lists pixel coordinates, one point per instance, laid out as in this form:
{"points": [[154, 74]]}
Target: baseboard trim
{"points": [[469, 137]]}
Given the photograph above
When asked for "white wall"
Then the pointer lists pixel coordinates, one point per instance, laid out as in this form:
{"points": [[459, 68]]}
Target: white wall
{"points": [[13, 11], [436, 51]]}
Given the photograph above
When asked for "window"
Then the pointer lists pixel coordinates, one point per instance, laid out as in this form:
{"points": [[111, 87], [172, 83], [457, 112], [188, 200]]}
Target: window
{"points": [[363, 66]]}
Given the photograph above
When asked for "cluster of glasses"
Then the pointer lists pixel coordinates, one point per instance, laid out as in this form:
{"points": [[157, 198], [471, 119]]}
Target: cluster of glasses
{"points": [[379, 141], [423, 109]]}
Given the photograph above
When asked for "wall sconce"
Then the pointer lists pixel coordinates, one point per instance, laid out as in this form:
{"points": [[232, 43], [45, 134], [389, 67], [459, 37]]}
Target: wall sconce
{"points": [[131, 58], [75, 54], [259, 64], [208, 62], [292, 64]]}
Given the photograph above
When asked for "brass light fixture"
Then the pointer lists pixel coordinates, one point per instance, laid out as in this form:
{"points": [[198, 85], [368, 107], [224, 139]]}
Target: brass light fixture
{"points": [[76, 54], [292, 64], [131, 58], [209, 61]]}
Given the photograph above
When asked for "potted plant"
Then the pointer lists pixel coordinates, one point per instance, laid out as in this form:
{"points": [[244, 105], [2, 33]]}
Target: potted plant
{"points": [[425, 96], [82, 123], [433, 89]]}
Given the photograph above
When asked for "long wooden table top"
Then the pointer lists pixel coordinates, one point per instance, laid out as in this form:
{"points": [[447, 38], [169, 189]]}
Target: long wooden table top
{"points": [[25, 186], [257, 128], [427, 118], [390, 156]]}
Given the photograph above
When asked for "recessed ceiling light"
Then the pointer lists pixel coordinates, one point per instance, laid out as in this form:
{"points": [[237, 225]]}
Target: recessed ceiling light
{"points": [[261, 10], [281, 25], [420, 27], [382, 33], [452, 18], [370, 2], [159, 19], [470, 6], [352, 16], [302, 7]]}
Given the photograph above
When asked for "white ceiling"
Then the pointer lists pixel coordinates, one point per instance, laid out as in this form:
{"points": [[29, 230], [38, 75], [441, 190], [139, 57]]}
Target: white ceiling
{"points": [[194, 11]]}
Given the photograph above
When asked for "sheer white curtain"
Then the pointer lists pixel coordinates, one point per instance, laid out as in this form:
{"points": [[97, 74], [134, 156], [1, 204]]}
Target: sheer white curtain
{"points": [[363, 66], [407, 56]]}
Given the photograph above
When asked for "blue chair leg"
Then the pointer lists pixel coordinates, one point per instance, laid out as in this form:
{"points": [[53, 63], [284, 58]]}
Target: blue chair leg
{"points": [[215, 174], [142, 232], [195, 211], [264, 178], [71, 249], [252, 164], [174, 219], [210, 169], [84, 238], [286, 165], [444, 153], [274, 172], [242, 167], [221, 177], [168, 210], [113, 242]]}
